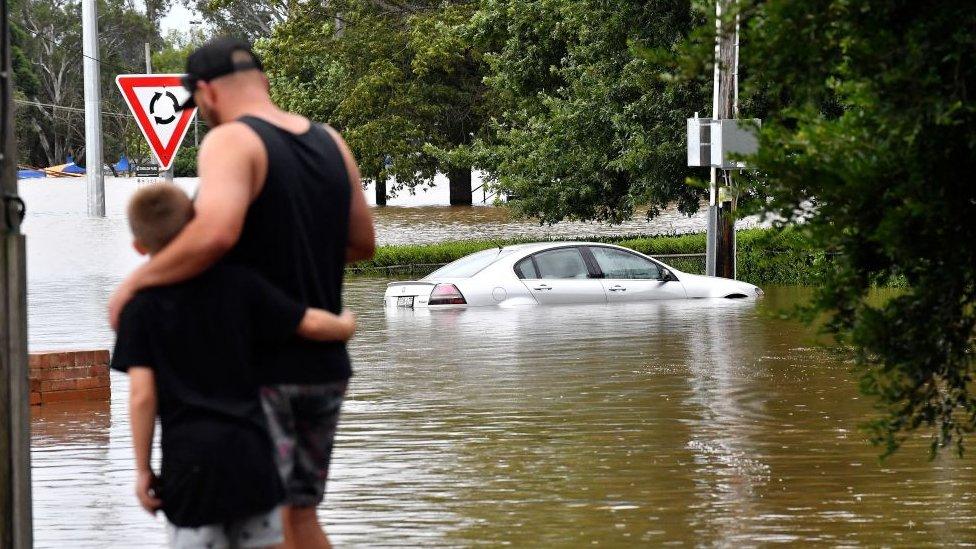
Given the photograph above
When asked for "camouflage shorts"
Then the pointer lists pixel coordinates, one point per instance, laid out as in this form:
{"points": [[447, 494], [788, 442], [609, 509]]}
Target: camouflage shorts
{"points": [[302, 420]]}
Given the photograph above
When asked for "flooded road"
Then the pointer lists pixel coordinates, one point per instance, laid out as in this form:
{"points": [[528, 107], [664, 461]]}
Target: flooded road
{"points": [[700, 423]]}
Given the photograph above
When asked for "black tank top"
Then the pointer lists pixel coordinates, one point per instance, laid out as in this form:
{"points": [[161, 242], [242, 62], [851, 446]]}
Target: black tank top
{"points": [[295, 235]]}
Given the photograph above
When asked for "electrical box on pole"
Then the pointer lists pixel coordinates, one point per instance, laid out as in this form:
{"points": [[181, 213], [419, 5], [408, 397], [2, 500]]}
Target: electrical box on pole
{"points": [[699, 141], [731, 140], [721, 143]]}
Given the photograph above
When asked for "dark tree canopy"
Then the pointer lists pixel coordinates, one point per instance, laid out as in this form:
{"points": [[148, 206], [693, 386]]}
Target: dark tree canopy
{"points": [[584, 125], [869, 139], [403, 84]]}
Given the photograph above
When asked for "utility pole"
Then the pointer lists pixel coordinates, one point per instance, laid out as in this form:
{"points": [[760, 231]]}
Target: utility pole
{"points": [[719, 142], [720, 247], [15, 472], [93, 108]]}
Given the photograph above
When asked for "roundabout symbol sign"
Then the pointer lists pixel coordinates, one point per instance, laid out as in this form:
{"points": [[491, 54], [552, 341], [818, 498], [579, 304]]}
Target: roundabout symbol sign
{"points": [[153, 100]]}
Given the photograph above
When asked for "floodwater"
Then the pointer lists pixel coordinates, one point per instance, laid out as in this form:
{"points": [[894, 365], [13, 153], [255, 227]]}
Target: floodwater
{"points": [[700, 423]]}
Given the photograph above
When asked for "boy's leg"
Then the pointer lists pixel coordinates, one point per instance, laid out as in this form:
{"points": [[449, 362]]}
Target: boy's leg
{"points": [[302, 420]]}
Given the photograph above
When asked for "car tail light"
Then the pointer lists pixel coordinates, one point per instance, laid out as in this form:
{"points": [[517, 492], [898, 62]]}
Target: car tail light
{"points": [[446, 294]]}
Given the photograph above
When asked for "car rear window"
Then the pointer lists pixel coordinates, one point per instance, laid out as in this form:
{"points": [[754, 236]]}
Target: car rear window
{"points": [[526, 269], [561, 263], [470, 265]]}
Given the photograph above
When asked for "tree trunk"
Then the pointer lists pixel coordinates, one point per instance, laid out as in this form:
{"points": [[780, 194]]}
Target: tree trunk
{"points": [[460, 186], [381, 191]]}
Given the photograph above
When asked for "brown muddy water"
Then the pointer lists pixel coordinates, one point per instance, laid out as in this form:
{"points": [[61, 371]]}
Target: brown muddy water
{"points": [[699, 423]]}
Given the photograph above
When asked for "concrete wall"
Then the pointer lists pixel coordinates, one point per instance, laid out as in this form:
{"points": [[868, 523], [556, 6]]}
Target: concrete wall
{"points": [[69, 375]]}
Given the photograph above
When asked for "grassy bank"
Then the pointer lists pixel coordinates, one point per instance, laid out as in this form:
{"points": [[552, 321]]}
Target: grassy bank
{"points": [[765, 256]]}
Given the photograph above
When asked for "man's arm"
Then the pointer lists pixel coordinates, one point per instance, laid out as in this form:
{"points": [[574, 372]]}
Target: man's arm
{"points": [[321, 325], [231, 163], [362, 237], [142, 416]]}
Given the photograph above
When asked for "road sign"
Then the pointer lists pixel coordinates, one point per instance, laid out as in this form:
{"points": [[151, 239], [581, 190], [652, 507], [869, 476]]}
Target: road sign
{"points": [[153, 99]]}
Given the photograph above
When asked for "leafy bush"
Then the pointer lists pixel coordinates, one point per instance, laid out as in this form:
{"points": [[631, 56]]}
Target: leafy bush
{"points": [[185, 164]]}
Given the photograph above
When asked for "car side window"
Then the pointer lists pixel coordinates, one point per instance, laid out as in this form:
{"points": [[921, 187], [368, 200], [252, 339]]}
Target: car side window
{"points": [[526, 269], [624, 265], [561, 263]]}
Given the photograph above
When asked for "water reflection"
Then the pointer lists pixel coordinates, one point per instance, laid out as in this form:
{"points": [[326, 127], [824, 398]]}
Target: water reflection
{"points": [[704, 422]]}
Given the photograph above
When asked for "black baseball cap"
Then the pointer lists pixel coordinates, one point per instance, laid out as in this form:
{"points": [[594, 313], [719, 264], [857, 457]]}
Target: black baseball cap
{"points": [[218, 57]]}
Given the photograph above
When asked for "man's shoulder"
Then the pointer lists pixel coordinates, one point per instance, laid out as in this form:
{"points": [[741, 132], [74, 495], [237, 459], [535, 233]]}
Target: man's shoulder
{"points": [[236, 135]]}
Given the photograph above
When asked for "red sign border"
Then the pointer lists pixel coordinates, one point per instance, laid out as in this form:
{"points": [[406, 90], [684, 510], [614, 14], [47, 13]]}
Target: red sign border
{"points": [[127, 84]]}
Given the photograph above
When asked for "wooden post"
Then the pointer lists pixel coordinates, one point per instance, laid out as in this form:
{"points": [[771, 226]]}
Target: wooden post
{"points": [[15, 498]]}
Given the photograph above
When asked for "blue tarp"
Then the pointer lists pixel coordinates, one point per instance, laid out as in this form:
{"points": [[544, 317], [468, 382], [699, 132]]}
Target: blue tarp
{"points": [[30, 174], [123, 164], [71, 167]]}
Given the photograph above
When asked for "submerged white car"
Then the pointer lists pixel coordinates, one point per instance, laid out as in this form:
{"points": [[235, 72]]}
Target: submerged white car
{"points": [[557, 272]]}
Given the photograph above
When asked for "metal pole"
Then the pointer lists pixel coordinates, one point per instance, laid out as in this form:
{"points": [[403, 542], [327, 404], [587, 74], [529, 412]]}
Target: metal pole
{"points": [[196, 117], [168, 174], [93, 108], [15, 473]]}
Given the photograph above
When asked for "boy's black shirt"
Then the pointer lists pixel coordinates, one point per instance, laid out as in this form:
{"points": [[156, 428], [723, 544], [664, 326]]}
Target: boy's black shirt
{"points": [[201, 338]]}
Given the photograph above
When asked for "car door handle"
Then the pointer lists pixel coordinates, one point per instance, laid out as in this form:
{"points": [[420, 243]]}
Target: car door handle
{"points": [[543, 287], [617, 289]]}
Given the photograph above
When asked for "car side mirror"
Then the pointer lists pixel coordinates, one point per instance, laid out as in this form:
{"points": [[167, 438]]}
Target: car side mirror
{"points": [[667, 275]]}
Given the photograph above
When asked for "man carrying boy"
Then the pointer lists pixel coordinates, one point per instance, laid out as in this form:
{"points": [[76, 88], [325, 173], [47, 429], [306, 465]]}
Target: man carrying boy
{"points": [[191, 352]]}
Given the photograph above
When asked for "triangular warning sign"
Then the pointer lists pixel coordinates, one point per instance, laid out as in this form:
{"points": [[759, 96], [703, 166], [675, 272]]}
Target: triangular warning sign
{"points": [[153, 99]]}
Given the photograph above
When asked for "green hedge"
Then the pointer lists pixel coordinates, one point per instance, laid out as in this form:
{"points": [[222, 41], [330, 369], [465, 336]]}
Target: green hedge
{"points": [[765, 256]]}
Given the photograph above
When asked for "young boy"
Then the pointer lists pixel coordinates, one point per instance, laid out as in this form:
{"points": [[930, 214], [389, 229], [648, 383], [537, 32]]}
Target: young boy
{"points": [[189, 350]]}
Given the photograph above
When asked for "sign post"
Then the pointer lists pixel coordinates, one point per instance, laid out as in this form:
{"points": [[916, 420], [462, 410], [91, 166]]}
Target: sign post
{"points": [[153, 100]]}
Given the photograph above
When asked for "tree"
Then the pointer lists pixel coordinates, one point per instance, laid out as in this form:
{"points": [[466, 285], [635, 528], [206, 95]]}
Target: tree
{"points": [[584, 127], [402, 81], [177, 46], [57, 128], [242, 18], [869, 141], [51, 124]]}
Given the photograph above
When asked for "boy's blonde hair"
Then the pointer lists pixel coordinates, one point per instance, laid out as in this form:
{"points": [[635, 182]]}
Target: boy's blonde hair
{"points": [[157, 214]]}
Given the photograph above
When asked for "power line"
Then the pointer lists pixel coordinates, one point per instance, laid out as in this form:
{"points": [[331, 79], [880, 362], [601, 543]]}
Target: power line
{"points": [[65, 108], [37, 34]]}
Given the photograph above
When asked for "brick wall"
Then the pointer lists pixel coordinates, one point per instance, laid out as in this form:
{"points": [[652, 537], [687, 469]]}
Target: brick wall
{"points": [[69, 375]]}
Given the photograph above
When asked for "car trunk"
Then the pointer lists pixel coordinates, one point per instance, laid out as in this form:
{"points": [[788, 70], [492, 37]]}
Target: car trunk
{"points": [[408, 294]]}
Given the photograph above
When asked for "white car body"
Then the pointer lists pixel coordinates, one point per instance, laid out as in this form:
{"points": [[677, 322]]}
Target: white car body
{"points": [[551, 273]]}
